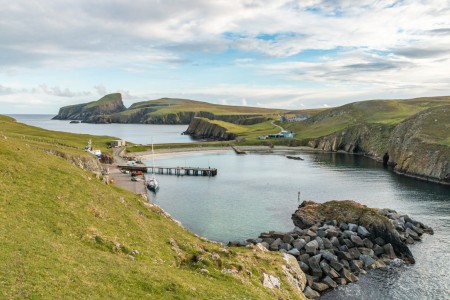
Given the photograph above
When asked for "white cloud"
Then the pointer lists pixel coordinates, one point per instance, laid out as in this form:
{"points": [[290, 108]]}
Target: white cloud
{"points": [[368, 48]]}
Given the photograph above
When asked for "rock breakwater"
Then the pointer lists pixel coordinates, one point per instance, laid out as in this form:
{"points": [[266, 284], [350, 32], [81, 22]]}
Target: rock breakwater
{"points": [[337, 241]]}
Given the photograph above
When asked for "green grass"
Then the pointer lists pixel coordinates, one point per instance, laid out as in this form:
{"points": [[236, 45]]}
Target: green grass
{"points": [[102, 100], [387, 112], [170, 105], [59, 228]]}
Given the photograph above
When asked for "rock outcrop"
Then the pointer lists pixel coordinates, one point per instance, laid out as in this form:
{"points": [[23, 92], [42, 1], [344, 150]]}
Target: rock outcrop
{"points": [[86, 112], [416, 147], [204, 129], [337, 241]]}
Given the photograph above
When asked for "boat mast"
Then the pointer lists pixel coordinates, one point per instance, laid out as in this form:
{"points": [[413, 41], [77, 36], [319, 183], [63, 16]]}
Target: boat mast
{"points": [[153, 163]]}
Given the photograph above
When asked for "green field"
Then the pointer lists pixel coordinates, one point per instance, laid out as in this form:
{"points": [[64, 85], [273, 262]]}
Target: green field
{"points": [[66, 235], [172, 106]]}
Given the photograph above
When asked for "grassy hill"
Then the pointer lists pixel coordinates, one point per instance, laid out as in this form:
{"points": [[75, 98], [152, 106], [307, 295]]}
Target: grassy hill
{"points": [[66, 235], [386, 112], [172, 105]]}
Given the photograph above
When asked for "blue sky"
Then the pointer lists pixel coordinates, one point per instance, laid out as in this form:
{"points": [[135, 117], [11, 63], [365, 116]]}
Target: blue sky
{"points": [[282, 53]]}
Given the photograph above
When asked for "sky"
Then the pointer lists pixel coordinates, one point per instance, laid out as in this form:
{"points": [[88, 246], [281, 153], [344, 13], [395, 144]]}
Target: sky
{"points": [[292, 54]]}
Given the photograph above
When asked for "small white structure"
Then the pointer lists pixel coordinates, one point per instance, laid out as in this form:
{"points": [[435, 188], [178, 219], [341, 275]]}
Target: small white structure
{"points": [[117, 143]]}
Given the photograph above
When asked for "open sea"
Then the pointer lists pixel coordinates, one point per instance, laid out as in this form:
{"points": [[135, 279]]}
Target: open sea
{"points": [[258, 192]]}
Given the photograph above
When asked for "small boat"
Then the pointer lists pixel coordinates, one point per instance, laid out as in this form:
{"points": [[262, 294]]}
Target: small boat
{"points": [[294, 157], [153, 184]]}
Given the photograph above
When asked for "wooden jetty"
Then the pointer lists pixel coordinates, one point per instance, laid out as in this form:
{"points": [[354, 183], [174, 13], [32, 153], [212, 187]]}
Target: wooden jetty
{"points": [[179, 171]]}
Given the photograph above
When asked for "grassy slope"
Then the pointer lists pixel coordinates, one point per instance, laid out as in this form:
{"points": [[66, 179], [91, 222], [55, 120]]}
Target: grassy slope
{"points": [[169, 105], [387, 112], [102, 100], [58, 228]]}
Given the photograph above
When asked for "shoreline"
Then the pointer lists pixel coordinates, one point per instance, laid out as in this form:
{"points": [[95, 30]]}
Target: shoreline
{"points": [[219, 149]]}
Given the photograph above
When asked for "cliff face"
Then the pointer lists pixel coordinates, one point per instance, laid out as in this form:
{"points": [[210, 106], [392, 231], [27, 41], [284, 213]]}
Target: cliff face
{"points": [[412, 146], [413, 151], [201, 128], [145, 116], [86, 112]]}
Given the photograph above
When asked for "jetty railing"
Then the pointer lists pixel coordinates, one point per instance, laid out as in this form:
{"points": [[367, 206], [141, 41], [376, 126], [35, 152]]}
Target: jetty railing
{"points": [[179, 171]]}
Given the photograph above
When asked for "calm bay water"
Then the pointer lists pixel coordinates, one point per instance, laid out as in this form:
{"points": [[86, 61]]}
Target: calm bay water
{"points": [[135, 133], [258, 192]]}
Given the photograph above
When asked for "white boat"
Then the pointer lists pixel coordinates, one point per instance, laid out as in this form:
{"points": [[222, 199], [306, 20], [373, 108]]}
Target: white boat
{"points": [[152, 183]]}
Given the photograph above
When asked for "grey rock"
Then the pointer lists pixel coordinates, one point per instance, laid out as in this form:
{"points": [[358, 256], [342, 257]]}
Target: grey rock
{"points": [[379, 241], [362, 231], [357, 240], [307, 238], [294, 252], [327, 243], [277, 234], [352, 227], [320, 242], [327, 280], [266, 245], [336, 265], [341, 281], [309, 280], [286, 246], [368, 243], [412, 234], [345, 273], [314, 264], [348, 243], [332, 232], [283, 250], [310, 233], [343, 248], [348, 233], [328, 255], [343, 226], [304, 258], [368, 261], [258, 240], [343, 255], [409, 240], [366, 251], [332, 223], [269, 240], [310, 293], [298, 230], [320, 287], [287, 238], [303, 266], [389, 251], [328, 270], [356, 266], [335, 242], [377, 250], [345, 263], [275, 245], [354, 253], [321, 233], [311, 247], [299, 244]]}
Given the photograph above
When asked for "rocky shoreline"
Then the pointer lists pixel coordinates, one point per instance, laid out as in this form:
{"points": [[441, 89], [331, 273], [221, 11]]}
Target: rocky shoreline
{"points": [[337, 241]]}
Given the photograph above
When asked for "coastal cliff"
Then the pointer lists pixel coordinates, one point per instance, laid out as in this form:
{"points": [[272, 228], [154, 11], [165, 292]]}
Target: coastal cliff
{"points": [[85, 112], [169, 111], [203, 128], [416, 147], [147, 115]]}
